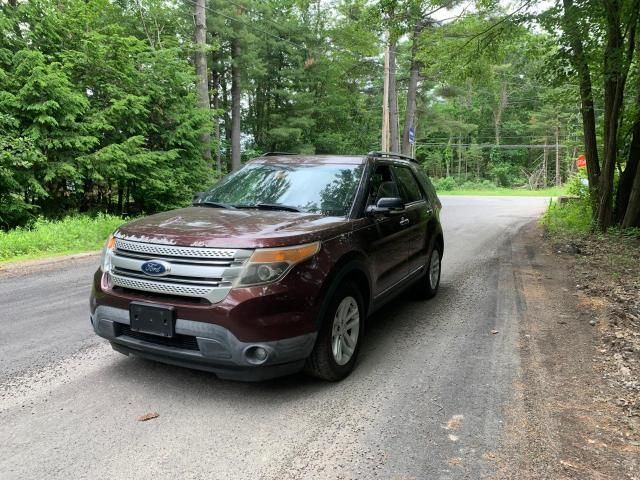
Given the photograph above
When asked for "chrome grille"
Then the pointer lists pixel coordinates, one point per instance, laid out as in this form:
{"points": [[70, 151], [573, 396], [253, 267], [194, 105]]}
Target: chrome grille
{"points": [[198, 272], [155, 249], [160, 287]]}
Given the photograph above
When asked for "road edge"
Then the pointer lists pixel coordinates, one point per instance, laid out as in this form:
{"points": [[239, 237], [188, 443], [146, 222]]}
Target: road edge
{"points": [[20, 266]]}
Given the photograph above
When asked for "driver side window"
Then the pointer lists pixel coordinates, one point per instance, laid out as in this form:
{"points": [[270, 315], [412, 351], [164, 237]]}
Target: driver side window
{"points": [[382, 184]]}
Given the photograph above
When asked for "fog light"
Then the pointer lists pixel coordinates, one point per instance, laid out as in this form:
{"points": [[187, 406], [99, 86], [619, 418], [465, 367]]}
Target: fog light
{"points": [[106, 281], [256, 355]]}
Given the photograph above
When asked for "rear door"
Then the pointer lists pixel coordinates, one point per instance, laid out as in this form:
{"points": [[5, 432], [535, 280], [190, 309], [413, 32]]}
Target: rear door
{"points": [[415, 218]]}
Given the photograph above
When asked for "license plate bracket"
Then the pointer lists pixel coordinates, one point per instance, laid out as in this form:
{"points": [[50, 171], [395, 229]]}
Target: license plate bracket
{"points": [[152, 319]]}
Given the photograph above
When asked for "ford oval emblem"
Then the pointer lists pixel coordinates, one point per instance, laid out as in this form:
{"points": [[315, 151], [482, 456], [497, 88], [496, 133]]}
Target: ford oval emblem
{"points": [[156, 268]]}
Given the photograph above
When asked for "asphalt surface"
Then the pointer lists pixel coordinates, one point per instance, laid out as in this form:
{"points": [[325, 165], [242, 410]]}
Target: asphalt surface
{"points": [[426, 401]]}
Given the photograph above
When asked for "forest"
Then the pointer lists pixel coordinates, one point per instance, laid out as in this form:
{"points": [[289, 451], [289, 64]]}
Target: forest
{"points": [[130, 106]]}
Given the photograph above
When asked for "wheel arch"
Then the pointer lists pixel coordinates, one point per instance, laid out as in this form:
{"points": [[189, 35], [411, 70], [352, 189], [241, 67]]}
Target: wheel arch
{"points": [[350, 267]]}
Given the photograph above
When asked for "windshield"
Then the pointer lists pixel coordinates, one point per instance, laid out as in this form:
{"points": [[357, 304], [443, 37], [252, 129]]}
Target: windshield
{"points": [[325, 189]]}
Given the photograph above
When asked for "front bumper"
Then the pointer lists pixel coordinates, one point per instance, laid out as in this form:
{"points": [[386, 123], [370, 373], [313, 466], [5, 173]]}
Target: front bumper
{"points": [[204, 346]]}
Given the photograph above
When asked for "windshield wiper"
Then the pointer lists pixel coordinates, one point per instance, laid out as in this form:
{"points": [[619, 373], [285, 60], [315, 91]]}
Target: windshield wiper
{"points": [[271, 206], [213, 205]]}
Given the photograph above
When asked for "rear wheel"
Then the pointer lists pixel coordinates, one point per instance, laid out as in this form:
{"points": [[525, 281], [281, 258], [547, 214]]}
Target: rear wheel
{"points": [[427, 287], [336, 349]]}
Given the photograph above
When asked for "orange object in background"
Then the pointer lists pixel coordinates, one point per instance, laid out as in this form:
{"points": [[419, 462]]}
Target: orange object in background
{"points": [[581, 161]]}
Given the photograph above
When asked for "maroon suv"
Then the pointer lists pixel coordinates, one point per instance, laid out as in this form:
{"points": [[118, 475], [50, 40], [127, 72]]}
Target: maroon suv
{"points": [[273, 270]]}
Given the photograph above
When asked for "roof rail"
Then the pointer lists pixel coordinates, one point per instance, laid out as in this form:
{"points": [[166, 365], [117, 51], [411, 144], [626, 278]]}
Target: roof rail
{"points": [[277, 154], [391, 155]]}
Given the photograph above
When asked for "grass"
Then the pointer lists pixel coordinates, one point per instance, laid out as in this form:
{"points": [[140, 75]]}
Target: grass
{"points": [[507, 192], [573, 217], [47, 238]]}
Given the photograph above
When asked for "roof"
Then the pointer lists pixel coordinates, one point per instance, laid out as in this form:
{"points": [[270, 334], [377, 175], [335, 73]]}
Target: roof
{"points": [[312, 159]]}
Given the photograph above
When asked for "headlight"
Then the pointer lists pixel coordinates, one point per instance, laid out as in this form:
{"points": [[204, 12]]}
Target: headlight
{"points": [[105, 263], [270, 264]]}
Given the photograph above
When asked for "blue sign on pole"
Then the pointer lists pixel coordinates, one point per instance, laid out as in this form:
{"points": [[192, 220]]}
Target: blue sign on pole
{"points": [[412, 135]]}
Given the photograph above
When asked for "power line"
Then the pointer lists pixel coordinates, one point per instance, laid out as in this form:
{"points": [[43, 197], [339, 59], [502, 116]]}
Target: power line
{"points": [[491, 145]]}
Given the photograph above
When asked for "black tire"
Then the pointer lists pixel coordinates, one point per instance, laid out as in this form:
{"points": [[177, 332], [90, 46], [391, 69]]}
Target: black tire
{"points": [[425, 288], [322, 363]]}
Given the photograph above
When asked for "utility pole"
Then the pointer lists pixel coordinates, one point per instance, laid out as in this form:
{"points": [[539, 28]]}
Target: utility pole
{"points": [[558, 179], [545, 155], [385, 103]]}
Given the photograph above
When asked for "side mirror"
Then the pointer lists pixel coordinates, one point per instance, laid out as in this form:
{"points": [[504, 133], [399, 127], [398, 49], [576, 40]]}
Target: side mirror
{"points": [[198, 197], [386, 206]]}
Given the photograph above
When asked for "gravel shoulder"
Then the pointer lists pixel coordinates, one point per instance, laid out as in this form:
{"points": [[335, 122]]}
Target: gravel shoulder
{"points": [[570, 415]]}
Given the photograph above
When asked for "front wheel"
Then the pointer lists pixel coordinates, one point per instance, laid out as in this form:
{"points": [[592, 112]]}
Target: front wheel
{"points": [[427, 287], [336, 349]]}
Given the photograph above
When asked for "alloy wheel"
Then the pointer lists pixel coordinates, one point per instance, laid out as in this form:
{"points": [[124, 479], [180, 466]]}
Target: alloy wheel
{"points": [[346, 327], [434, 269]]}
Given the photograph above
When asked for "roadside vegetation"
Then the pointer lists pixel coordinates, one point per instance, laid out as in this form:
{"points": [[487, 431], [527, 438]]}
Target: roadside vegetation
{"points": [[129, 107], [605, 272], [572, 214], [451, 186], [48, 238]]}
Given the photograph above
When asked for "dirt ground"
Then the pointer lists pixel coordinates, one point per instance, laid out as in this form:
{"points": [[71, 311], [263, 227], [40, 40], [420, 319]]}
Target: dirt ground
{"points": [[576, 410]]}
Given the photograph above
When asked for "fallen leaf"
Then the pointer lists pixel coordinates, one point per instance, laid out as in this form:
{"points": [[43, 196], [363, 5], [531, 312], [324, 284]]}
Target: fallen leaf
{"points": [[455, 422], [148, 416]]}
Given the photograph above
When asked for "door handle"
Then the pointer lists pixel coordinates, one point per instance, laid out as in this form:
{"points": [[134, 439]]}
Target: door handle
{"points": [[404, 221]]}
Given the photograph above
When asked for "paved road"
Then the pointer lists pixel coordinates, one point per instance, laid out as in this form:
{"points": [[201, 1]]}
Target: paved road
{"points": [[426, 400]]}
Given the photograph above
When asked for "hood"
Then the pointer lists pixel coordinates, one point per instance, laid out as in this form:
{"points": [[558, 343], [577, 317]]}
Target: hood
{"points": [[226, 228]]}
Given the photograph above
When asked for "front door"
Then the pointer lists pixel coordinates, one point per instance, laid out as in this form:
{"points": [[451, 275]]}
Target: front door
{"points": [[387, 234]]}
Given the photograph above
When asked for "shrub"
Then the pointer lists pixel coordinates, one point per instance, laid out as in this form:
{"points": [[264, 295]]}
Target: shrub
{"points": [[573, 217], [46, 237], [444, 184], [577, 185]]}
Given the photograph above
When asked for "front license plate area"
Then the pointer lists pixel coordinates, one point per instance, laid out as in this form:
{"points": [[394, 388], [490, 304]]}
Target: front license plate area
{"points": [[152, 319]]}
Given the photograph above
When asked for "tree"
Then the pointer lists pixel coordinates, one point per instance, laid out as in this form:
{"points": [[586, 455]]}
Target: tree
{"points": [[618, 20], [202, 72]]}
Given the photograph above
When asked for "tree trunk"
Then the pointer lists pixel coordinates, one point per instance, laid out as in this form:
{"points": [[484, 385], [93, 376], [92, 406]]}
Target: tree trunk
{"points": [[579, 62], [226, 106], [384, 141], [393, 100], [632, 211], [613, 58], [497, 114], [412, 92], [236, 162], [201, 72], [215, 85], [632, 214], [630, 172], [625, 185]]}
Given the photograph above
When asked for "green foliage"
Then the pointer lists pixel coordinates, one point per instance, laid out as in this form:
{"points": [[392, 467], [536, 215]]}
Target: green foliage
{"points": [[478, 185], [444, 184], [98, 109], [94, 116], [573, 217], [45, 237], [577, 186]]}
